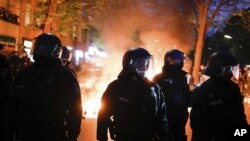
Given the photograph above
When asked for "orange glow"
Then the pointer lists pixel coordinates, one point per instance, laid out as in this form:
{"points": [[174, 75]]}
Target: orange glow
{"points": [[94, 83], [91, 108]]}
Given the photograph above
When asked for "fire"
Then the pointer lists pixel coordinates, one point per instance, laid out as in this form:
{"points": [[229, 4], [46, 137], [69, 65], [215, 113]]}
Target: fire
{"points": [[95, 81], [91, 107], [92, 87]]}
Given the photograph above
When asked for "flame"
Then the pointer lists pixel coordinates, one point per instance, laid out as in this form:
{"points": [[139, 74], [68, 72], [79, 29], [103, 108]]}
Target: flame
{"points": [[91, 108], [94, 83]]}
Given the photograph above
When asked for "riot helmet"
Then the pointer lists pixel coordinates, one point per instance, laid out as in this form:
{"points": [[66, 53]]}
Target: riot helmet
{"points": [[66, 55], [173, 60], [137, 61], [46, 45], [222, 64]]}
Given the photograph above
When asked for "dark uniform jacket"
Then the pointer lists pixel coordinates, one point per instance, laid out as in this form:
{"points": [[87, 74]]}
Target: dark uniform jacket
{"points": [[176, 91], [137, 110], [217, 110], [5, 99], [48, 103]]}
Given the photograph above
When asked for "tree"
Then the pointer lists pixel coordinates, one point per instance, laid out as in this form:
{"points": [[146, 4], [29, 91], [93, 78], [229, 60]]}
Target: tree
{"points": [[236, 28], [210, 13]]}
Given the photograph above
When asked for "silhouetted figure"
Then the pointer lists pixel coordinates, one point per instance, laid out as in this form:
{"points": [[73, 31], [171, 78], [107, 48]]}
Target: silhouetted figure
{"points": [[66, 57], [6, 128], [48, 96], [174, 83], [217, 106], [24, 60], [15, 63], [133, 107]]}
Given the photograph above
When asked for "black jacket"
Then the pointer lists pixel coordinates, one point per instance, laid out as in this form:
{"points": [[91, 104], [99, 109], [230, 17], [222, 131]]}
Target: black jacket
{"points": [[6, 83], [217, 110], [137, 109], [48, 102], [177, 96]]}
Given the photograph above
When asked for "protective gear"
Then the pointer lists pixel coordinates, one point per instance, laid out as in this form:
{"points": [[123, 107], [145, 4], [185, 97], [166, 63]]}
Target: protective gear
{"points": [[46, 45], [221, 64], [173, 59], [217, 110], [137, 61], [66, 54], [6, 99], [174, 84], [42, 114], [143, 100], [45, 111]]}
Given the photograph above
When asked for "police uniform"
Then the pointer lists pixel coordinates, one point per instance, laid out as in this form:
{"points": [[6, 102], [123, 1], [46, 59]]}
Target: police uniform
{"points": [[177, 96], [175, 87], [48, 99], [133, 108], [217, 106], [137, 109]]}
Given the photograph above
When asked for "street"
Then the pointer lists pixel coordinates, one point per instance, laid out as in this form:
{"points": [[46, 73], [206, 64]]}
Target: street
{"points": [[88, 128]]}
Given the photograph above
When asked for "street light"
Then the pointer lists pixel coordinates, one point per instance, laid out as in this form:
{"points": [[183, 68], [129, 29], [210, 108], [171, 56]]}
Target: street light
{"points": [[228, 36]]}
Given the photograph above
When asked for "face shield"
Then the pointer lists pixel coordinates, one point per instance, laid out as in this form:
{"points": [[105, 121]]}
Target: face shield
{"points": [[174, 61], [173, 64], [144, 67], [230, 72], [46, 45]]}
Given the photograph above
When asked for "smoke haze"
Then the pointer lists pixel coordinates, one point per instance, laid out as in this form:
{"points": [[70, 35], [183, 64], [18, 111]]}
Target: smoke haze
{"points": [[157, 26]]}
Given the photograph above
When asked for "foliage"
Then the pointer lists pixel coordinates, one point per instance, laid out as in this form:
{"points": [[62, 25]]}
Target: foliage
{"points": [[41, 13], [239, 45], [208, 14], [226, 10]]}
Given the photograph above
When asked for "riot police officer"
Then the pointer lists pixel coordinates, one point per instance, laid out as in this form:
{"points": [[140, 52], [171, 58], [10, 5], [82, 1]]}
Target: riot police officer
{"points": [[6, 82], [66, 59], [133, 107], [174, 83], [48, 96], [217, 108]]}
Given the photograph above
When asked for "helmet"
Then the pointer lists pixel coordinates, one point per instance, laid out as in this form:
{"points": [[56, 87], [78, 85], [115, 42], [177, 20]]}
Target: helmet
{"points": [[136, 60], [46, 45], [173, 59], [133, 54], [4, 69], [66, 54], [220, 64], [3, 62]]}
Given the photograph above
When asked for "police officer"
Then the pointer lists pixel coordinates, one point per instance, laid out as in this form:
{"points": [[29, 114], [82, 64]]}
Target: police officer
{"points": [[48, 96], [174, 83], [6, 83], [66, 59], [217, 108], [133, 107]]}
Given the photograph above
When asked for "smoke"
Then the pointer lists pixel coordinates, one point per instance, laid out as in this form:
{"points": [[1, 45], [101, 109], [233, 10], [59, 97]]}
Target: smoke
{"points": [[157, 25]]}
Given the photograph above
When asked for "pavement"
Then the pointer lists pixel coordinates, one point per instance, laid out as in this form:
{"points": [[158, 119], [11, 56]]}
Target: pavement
{"points": [[88, 128]]}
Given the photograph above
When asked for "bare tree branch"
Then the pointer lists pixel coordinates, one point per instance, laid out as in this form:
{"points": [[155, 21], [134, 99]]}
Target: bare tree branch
{"points": [[214, 13]]}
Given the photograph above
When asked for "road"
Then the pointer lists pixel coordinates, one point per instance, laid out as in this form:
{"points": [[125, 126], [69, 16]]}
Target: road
{"points": [[88, 128]]}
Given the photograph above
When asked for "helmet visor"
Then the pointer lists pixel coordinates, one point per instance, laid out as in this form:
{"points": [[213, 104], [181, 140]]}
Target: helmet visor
{"points": [[232, 71], [144, 67], [174, 61], [46, 48]]}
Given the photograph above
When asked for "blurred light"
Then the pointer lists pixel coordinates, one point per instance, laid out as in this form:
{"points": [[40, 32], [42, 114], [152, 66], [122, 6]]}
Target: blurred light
{"points": [[28, 50], [70, 48], [27, 43], [91, 108], [78, 54], [228, 36]]}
